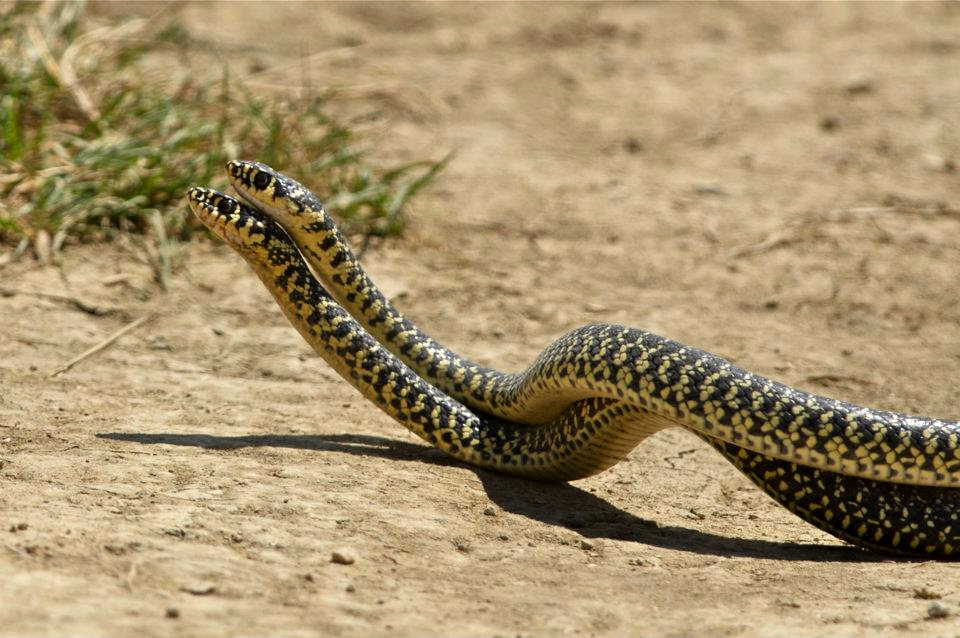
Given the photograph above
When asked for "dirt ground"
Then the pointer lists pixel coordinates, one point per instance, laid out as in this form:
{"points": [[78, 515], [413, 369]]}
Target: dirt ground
{"points": [[775, 183]]}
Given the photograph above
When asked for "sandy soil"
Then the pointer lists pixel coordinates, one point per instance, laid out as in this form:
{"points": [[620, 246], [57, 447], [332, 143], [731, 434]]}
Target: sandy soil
{"points": [[774, 183]]}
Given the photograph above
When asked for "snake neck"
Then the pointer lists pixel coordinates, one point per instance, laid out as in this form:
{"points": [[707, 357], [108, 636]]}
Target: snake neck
{"points": [[329, 256]]}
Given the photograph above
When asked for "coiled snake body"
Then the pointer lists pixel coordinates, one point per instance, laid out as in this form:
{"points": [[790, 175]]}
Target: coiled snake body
{"points": [[875, 478]]}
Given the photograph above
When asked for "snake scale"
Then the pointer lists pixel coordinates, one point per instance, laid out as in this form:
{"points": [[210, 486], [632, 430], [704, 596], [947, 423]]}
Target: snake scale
{"points": [[878, 479]]}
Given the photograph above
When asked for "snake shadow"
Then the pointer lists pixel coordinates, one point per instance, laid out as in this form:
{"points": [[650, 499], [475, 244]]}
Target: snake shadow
{"points": [[557, 504]]}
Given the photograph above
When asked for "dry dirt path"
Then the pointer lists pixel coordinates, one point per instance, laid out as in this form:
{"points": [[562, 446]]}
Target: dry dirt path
{"points": [[769, 182]]}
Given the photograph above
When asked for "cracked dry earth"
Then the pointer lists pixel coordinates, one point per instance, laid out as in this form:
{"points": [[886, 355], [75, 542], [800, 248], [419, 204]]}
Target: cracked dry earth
{"points": [[773, 183]]}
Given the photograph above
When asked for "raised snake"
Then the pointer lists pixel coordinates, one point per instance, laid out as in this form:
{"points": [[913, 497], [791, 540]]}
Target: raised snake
{"points": [[861, 509]]}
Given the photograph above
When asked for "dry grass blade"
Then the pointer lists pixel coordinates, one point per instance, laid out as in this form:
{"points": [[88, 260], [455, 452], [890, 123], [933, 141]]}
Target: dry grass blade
{"points": [[64, 76], [86, 354], [79, 304]]}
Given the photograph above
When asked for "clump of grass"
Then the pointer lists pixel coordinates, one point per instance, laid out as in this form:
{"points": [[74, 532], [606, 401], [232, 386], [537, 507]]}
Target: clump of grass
{"points": [[94, 142]]}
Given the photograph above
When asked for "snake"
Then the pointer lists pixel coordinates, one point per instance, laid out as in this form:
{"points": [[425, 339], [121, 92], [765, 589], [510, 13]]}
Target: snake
{"points": [[882, 515], [681, 384]]}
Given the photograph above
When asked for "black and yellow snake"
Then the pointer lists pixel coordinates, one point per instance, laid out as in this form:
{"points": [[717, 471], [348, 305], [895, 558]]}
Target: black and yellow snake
{"points": [[875, 478]]}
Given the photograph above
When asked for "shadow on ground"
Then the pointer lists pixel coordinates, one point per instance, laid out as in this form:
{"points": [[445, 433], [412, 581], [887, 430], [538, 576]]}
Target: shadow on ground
{"points": [[562, 505]]}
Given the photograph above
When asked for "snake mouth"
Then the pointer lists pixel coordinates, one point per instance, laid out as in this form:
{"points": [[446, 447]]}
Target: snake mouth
{"points": [[232, 221]]}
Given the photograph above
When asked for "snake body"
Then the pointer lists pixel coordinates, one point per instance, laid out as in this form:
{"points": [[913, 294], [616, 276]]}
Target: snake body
{"points": [[681, 384], [593, 431]]}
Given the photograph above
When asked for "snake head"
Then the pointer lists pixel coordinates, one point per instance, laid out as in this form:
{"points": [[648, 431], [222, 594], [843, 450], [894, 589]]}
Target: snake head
{"points": [[242, 227], [284, 199]]}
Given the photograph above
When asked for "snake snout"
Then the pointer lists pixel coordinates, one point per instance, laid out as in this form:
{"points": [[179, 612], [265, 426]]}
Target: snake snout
{"points": [[201, 202], [235, 168], [197, 194]]}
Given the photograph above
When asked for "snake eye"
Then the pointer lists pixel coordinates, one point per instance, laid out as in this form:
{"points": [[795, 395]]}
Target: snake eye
{"points": [[261, 180], [224, 207]]}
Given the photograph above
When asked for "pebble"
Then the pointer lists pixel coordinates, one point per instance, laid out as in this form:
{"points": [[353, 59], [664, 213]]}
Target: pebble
{"points": [[158, 342], [199, 589], [172, 612], [710, 189], [858, 83], [937, 610], [938, 163], [342, 558], [829, 123], [585, 544], [633, 145], [647, 561], [489, 510]]}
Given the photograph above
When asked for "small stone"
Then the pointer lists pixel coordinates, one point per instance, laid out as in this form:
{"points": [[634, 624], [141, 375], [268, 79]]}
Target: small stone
{"points": [[937, 163], [633, 145], [710, 189], [172, 612], [503, 537], [199, 589], [342, 558], [158, 342], [351, 589], [937, 610], [858, 83], [585, 544], [829, 124], [651, 561], [117, 278], [489, 510]]}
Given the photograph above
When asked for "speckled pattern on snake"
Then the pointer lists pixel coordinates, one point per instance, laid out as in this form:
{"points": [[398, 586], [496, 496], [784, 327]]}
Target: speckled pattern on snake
{"points": [[876, 478]]}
